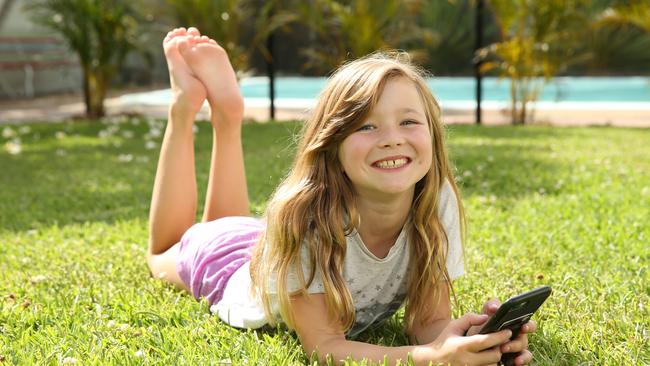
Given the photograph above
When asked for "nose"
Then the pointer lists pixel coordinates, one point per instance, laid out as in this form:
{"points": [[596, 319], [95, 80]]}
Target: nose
{"points": [[391, 137]]}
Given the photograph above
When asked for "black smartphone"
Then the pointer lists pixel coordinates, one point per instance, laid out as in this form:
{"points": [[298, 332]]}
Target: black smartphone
{"points": [[514, 313]]}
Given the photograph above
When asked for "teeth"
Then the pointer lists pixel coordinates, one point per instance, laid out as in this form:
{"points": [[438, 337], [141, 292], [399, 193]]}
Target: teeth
{"points": [[387, 164]]}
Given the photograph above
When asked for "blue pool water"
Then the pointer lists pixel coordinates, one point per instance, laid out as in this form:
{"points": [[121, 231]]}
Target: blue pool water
{"points": [[628, 89], [453, 92]]}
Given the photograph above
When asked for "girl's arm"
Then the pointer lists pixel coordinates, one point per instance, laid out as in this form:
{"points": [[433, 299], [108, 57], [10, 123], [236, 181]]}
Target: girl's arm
{"points": [[318, 333], [423, 334]]}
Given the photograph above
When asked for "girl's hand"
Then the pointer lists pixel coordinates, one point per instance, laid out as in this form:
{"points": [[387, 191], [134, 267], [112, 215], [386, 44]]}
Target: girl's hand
{"points": [[452, 347], [518, 345]]}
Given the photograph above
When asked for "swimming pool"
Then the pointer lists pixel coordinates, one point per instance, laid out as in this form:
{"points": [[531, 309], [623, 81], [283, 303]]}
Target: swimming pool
{"points": [[629, 93]]}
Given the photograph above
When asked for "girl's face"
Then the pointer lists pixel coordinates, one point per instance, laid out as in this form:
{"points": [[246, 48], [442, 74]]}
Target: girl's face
{"points": [[392, 150]]}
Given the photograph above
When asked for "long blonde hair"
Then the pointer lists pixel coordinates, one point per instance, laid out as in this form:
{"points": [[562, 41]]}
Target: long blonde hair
{"points": [[311, 204]]}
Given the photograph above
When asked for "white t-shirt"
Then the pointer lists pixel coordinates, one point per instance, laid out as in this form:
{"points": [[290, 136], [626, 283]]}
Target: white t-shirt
{"points": [[378, 285]]}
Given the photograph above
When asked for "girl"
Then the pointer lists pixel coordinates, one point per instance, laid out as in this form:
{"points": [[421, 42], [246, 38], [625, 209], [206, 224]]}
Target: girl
{"points": [[367, 219]]}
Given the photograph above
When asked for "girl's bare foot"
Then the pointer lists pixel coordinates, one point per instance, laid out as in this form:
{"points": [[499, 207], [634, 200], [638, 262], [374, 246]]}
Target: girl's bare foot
{"points": [[189, 93], [209, 63]]}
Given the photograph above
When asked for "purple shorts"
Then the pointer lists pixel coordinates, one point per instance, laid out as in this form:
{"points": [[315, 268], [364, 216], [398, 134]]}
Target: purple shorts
{"points": [[210, 252]]}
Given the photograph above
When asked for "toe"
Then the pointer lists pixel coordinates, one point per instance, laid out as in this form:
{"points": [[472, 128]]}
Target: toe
{"points": [[193, 31]]}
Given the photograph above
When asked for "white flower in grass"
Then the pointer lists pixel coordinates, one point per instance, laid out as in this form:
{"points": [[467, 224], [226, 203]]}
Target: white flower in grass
{"points": [[195, 129], [127, 134], [467, 173], [14, 147], [69, 361], [60, 152], [60, 135], [125, 158], [490, 158], [139, 353], [645, 191], [123, 326], [37, 279], [154, 132], [142, 159], [23, 130], [8, 132], [150, 145], [111, 323]]}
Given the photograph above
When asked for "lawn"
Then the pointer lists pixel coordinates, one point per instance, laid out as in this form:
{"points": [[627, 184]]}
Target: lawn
{"points": [[567, 207]]}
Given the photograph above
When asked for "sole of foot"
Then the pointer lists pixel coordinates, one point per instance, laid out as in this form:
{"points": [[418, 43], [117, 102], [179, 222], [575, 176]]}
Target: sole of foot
{"points": [[209, 63]]}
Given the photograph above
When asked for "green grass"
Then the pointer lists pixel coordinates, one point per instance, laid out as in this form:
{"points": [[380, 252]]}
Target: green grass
{"points": [[567, 207]]}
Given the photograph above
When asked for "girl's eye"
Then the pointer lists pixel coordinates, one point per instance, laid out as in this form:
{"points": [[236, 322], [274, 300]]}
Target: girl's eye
{"points": [[410, 122], [366, 128]]}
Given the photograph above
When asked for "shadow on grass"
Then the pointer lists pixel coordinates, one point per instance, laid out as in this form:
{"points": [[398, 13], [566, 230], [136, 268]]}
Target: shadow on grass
{"points": [[85, 178], [508, 162]]}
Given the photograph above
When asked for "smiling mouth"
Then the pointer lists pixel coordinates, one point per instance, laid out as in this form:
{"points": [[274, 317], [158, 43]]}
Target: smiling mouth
{"points": [[392, 163]]}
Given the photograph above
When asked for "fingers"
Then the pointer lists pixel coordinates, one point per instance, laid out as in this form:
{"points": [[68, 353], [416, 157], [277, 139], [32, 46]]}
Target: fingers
{"points": [[470, 319], [485, 341], [524, 358], [529, 327], [519, 344], [491, 306], [491, 356]]}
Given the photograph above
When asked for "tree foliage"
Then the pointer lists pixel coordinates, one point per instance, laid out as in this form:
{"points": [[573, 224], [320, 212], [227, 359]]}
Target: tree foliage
{"points": [[101, 33], [349, 29], [226, 21]]}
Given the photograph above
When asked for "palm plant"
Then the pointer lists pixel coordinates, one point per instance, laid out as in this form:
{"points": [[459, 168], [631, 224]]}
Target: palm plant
{"points": [[101, 33], [619, 37], [449, 36], [538, 40], [226, 21], [218, 19], [345, 29], [635, 12]]}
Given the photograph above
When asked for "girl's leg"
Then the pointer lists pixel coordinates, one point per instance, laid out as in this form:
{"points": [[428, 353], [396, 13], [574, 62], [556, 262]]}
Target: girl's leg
{"points": [[174, 198], [227, 193]]}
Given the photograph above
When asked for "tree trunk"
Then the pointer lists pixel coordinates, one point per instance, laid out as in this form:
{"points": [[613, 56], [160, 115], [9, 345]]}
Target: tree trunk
{"points": [[523, 111], [513, 101], [94, 92]]}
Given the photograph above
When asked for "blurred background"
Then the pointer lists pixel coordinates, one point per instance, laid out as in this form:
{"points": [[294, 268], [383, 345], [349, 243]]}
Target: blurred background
{"points": [[97, 48]]}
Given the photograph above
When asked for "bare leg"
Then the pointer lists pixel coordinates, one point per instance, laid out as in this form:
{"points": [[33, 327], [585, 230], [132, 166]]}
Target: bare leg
{"points": [[227, 193], [174, 198]]}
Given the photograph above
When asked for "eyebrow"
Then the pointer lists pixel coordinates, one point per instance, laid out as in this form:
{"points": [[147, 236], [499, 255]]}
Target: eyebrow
{"points": [[409, 110]]}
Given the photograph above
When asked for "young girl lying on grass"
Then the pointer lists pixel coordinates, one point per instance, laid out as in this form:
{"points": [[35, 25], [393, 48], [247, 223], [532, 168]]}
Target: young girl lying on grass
{"points": [[367, 219]]}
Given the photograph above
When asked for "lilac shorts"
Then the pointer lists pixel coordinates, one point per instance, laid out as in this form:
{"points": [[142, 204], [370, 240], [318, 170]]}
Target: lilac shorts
{"points": [[210, 252]]}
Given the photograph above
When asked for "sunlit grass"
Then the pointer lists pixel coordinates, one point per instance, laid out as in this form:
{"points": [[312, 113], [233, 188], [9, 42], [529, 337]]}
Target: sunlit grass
{"points": [[567, 207]]}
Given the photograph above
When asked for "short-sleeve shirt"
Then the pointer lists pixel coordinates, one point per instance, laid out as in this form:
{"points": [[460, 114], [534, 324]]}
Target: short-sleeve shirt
{"points": [[378, 285]]}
